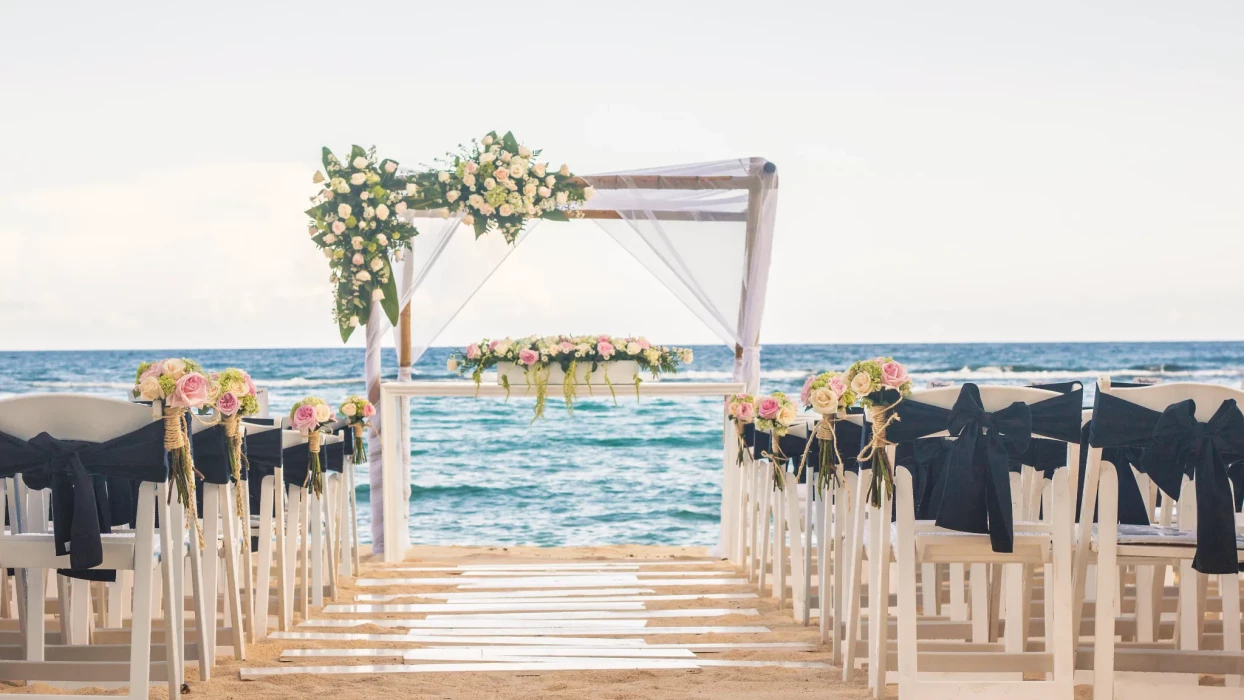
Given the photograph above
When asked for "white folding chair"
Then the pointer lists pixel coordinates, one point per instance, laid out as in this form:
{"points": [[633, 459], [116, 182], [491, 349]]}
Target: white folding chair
{"points": [[265, 446]]}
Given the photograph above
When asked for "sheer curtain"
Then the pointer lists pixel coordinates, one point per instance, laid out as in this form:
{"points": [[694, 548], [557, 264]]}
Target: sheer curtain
{"points": [[708, 240]]}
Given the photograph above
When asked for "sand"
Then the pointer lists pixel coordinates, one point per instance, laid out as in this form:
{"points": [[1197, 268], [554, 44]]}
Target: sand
{"points": [[717, 683]]}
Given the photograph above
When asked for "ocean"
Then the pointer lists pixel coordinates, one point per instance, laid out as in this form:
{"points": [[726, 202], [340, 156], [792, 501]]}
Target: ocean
{"points": [[643, 472]]}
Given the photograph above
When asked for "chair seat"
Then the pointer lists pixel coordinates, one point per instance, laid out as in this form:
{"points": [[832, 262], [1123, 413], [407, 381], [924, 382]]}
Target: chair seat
{"points": [[927, 532], [1159, 536]]}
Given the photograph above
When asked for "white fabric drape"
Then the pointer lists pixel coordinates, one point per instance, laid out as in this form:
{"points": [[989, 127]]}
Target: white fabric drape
{"points": [[709, 245]]}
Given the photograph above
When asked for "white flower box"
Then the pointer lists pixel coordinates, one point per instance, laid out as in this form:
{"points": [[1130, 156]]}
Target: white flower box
{"points": [[621, 374]]}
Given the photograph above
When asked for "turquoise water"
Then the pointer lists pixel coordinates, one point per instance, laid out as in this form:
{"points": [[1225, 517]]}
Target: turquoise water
{"points": [[643, 473]]}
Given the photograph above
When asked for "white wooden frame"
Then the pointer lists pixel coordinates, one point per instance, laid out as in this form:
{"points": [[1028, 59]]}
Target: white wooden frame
{"points": [[397, 485]]}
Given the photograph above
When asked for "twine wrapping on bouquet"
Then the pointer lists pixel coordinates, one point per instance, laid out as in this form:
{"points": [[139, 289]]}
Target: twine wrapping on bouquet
{"points": [[875, 454], [738, 436], [315, 474], [233, 436], [182, 471], [360, 444], [778, 461], [828, 475]]}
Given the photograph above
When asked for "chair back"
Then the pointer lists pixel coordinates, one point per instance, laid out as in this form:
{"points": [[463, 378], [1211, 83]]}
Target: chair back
{"points": [[72, 416]]}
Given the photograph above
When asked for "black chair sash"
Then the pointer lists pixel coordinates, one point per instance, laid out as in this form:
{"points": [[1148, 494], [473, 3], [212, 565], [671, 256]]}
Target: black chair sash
{"points": [[749, 435], [211, 455], [263, 455], [1132, 510], [80, 511], [335, 456], [297, 460], [1176, 445], [925, 459], [986, 448], [763, 443], [1236, 474], [850, 439]]}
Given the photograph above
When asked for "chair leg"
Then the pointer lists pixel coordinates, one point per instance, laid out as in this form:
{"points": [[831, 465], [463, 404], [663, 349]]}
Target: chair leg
{"points": [[170, 559], [854, 574], [248, 568], [209, 625], [228, 516], [305, 538], [1229, 588], [1107, 570], [906, 557], [291, 553], [315, 551], [203, 619], [263, 596], [144, 570]]}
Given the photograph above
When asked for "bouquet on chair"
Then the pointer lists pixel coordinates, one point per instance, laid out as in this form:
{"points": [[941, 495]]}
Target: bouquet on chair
{"points": [[775, 414], [179, 384], [881, 384], [742, 412], [357, 410], [309, 417], [829, 395], [235, 397]]}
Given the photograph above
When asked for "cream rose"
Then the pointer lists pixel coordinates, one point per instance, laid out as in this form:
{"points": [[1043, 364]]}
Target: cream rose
{"points": [[344, 211], [323, 413], [787, 415], [633, 348], [359, 162], [861, 383], [175, 368], [382, 212], [149, 389], [824, 401]]}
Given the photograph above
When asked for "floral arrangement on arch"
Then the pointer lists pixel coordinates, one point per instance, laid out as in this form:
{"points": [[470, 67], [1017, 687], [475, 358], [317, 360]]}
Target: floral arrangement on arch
{"points": [[880, 383], [577, 356], [309, 417], [234, 396], [356, 220], [181, 386], [498, 184], [829, 395], [741, 409], [356, 411]]}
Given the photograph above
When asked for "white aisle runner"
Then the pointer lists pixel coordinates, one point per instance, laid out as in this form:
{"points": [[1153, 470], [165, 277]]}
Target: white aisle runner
{"points": [[554, 616]]}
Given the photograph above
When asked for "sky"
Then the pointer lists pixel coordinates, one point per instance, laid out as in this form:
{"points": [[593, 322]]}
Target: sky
{"points": [[950, 172]]}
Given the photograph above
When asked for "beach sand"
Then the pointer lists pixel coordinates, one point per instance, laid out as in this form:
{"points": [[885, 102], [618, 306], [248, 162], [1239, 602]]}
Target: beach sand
{"points": [[717, 683]]}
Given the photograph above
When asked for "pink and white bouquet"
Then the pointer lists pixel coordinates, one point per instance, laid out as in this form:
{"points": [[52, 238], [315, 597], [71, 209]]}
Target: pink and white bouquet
{"points": [[829, 395], [880, 383], [309, 417], [741, 409], [180, 385], [234, 396], [498, 184], [775, 414], [356, 411], [356, 221]]}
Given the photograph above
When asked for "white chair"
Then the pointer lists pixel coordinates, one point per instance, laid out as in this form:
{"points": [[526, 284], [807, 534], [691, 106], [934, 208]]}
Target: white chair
{"points": [[265, 447], [30, 548], [1123, 671]]}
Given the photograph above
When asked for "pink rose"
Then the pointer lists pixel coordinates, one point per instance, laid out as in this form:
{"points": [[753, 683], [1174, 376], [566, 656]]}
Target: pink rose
{"points": [[747, 412], [528, 356], [227, 404], [190, 391], [493, 345], [566, 346], [603, 339], [250, 385], [471, 167], [605, 348], [154, 371], [643, 343], [501, 174], [368, 410], [894, 375], [805, 394], [303, 417], [472, 352], [769, 408], [837, 385]]}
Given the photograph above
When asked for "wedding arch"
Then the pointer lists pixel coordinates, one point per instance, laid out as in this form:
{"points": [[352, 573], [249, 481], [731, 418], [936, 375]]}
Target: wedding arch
{"points": [[705, 230]]}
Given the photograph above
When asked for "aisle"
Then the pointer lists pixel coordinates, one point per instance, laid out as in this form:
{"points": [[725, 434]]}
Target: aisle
{"points": [[524, 616]]}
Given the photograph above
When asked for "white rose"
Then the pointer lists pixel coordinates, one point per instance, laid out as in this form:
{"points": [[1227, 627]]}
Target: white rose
{"points": [[489, 183], [411, 189], [377, 264], [516, 170], [339, 227], [328, 194], [468, 180], [486, 158], [390, 167], [344, 210], [149, 389], [564, 171], [487, 140], [539, 169], [632, 348], [323, 413], [524, 152], [358, 178], [505, 210], [358, 259], [364, 195], [452, 364], [382, 239], [359, 163], [475, 200], [175, 368], [368, 212], [400, 207], [545, 192], [686, 355], [588, 193], [348, 409], [377, 294], [468, 220], [824, 401], [561, 197], [330, 238], [382, 212], [341, 186], [503, 347], [357, 242], [354, 321], [452, 196], [787, 415], [529, 189], [550, 180], [505, 156], [861, 384], [442, 176], [363, 276]]}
